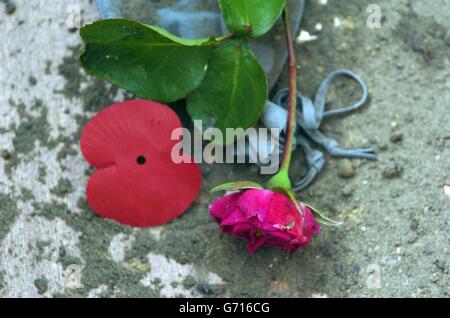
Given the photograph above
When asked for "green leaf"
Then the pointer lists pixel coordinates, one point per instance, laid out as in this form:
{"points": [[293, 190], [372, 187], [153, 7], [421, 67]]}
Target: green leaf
{"points": [[145, 60], [322, 218], [234, 90], [253, 17], [237, 185]]}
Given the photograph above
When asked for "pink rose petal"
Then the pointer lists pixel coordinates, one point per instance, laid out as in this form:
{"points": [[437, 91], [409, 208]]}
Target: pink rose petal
{"points": [[264, 217]]}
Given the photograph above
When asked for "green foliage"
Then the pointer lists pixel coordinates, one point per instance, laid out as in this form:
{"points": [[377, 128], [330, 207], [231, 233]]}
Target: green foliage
{"points": [[144, 60], [220, 78], [234, 90], [253, 17]]}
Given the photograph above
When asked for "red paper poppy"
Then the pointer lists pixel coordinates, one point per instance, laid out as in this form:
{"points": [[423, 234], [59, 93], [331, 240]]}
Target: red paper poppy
{"points": [[136, 182]]}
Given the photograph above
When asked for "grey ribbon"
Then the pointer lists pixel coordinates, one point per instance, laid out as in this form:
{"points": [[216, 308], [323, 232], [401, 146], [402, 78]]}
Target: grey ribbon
{"points": [[309, 118]]}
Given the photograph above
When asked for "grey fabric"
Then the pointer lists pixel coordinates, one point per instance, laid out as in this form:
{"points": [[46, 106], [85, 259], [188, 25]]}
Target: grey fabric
{"points": [[309, 118]]}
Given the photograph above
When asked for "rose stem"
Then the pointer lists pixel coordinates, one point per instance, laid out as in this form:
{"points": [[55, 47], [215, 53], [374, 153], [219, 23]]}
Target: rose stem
{"points": [[283, 174], [286, 161]]}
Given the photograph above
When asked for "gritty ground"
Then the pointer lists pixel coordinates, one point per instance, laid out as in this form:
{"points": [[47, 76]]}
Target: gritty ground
{"points": [[395, 239]]}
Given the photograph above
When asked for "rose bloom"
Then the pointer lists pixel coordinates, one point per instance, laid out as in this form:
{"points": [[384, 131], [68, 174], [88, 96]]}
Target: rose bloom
{"points": [[264, 217]]}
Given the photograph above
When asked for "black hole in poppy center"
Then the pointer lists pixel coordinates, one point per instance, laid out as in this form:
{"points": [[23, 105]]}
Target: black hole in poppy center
{"points": [[140, 160]]}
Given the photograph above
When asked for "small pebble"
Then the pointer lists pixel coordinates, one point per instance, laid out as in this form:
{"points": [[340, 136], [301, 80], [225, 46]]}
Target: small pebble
{"points": [[72, 30], [189, 282], [373, 140], [347, 191], [41, 285], [440, 264], [383, 147], [414, 225], [32, 80], [339, 269], [392, 170], [447, 190], [409, 117], [345, 169], [428, 250], [337, 22], [396, 137], [6, 155], [318, 27], [412, 238], [434, 278], [205, 289], [399, 65], [347, 25], [305, 37], [328, 250], [62, 251], [356, 268], [10, 7]]}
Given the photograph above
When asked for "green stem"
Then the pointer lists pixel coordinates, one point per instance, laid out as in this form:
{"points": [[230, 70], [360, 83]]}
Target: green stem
{"points": [[281, 179]]}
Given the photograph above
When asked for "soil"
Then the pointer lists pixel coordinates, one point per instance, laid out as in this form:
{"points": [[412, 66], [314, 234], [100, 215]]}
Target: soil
{"points": [[396, 235]]}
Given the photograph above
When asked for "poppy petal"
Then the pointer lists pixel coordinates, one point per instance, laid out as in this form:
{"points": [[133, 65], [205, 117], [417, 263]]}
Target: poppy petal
{"points": [[136, 182]]}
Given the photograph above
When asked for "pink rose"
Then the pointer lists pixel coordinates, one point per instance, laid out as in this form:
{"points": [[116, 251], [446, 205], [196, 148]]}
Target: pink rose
{"points": [[264, 217]]}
